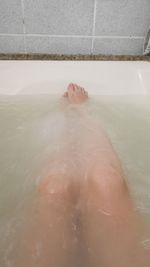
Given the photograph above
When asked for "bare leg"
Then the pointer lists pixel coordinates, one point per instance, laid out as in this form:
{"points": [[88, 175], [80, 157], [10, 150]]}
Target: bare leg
{"points": [[51, 238], [112, 229], [113, 232]]}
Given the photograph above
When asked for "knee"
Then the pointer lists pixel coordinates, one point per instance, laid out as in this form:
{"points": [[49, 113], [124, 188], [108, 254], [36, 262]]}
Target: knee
{"points": [[105, 190], [57, 190], [52, 187]]}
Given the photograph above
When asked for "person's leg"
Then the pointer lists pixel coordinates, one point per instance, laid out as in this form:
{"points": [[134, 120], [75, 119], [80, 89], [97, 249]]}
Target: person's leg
{"points": [[50, 239], [112, 231]]}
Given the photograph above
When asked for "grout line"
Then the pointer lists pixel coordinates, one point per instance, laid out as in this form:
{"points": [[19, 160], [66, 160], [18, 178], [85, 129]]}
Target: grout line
{"points": [[118, 37], [59, 36], [73, 36], [94, 22], [23, 16], [24, 26]]}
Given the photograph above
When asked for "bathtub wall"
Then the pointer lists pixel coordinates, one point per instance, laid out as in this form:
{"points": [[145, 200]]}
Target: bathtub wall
{"points": [[74, 26]]}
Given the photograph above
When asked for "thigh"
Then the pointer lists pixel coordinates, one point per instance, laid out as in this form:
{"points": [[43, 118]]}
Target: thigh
{"points": [[113, 232], [49, 240]]}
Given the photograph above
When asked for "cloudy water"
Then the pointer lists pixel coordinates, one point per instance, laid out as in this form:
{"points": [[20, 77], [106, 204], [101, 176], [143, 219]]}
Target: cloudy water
{"points": [[35, 135]]}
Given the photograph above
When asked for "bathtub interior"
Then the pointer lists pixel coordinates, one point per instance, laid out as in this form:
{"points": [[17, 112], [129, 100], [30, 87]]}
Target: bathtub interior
{"points": [[29, 93], [52, 77]]}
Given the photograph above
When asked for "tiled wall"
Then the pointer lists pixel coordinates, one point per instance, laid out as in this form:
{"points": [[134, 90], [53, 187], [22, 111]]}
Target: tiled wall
{"points": [[73, 26]]}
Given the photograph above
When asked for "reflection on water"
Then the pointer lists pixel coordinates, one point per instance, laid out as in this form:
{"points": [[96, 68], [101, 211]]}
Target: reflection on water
{"points": [[33, 134]]}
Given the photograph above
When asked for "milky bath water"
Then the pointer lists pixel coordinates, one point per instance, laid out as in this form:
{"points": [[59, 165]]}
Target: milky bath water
{"points": [[34, 129]]}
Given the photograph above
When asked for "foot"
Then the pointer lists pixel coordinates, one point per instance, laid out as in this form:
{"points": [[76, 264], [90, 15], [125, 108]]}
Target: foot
{"points": [[75, 94]]}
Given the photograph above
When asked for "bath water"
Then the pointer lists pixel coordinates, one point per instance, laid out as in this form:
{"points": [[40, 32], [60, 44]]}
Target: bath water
{"points": [[31, 130]]}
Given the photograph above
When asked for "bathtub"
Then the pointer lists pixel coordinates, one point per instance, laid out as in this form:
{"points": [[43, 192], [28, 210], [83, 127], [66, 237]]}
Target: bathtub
{"points": [[99, 77], [31, 127]]}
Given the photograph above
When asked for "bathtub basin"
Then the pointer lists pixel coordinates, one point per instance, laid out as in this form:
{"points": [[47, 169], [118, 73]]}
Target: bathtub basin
{"points": [[52, 77]]}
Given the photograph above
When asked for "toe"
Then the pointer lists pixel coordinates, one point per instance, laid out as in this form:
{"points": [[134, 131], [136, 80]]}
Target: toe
{"points": [[70, 87], [81, 89], [65, 94], [76, 87]]}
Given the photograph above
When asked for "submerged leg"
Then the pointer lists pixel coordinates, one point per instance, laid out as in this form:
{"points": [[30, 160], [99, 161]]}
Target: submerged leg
{"points": [[50, 240], [112, 231]]}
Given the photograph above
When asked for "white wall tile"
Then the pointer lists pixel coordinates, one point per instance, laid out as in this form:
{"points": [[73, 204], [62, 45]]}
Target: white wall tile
{"points": [[73, 17], [122, 46], [12, 44], [11, 16], [122, 17], [58, 45]]}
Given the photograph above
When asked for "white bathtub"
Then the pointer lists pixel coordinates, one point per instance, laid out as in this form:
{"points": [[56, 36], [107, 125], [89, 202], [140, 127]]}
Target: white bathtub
{"points": [[31, 128], [99, 77]]}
